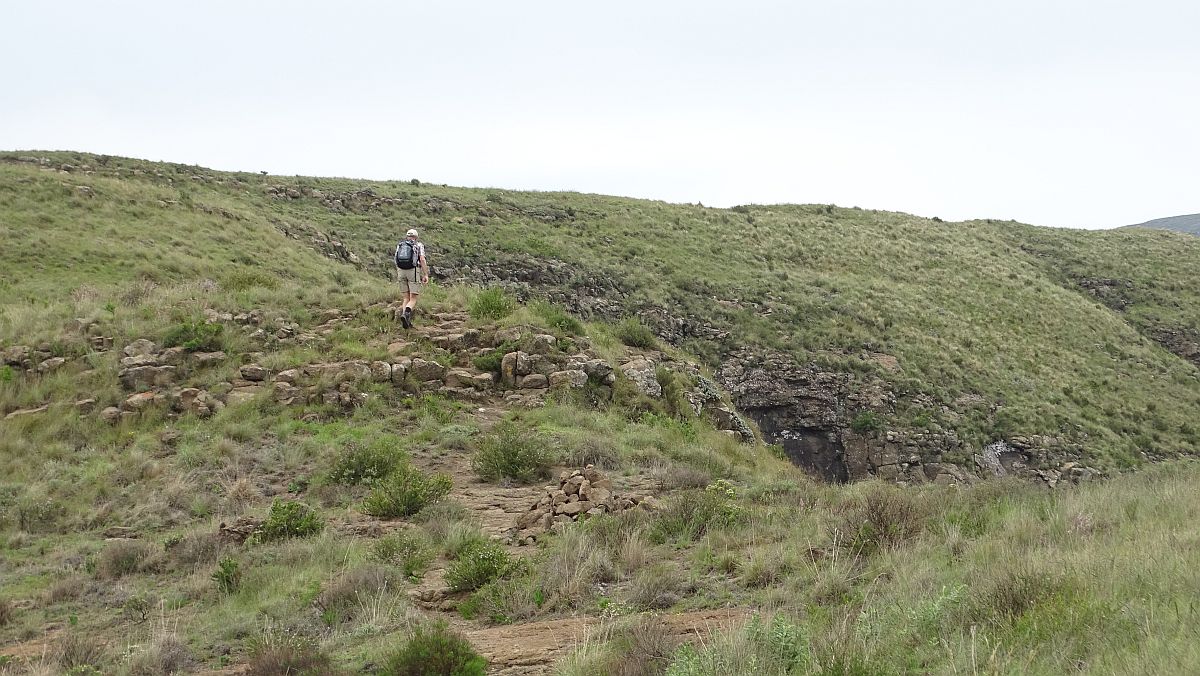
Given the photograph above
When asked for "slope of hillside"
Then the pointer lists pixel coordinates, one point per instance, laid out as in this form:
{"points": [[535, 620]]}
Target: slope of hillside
{"points": [[219, 452], [1189, 223], [949, 336]]}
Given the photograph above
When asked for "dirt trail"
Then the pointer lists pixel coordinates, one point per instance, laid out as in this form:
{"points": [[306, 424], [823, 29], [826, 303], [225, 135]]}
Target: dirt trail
{"points": [[534, 647], [528, 648]]}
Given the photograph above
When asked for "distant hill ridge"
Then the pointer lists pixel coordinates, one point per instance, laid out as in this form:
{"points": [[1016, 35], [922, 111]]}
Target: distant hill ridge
{"points": [[1189, 223]]}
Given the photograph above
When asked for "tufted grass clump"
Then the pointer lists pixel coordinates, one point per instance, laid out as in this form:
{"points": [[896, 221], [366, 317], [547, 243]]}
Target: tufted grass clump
{"points": [[512, 454], [492, 303], [290, 519], [281, 651], [634, 333], [410, 550], [196, 337], [690, 514]]}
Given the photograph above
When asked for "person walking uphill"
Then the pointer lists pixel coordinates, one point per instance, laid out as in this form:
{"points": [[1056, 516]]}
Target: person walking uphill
{"points": [[412, 271]]}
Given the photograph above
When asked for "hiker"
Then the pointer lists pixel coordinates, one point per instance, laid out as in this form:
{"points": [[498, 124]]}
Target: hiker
{"points": [[412, 271]]}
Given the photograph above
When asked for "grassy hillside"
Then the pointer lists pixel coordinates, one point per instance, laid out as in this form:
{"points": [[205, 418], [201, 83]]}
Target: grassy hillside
{"points": [[968, 310], [124, 540], [1189, 223]]}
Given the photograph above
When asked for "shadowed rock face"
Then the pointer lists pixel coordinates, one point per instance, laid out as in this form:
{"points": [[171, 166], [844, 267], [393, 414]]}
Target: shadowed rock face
{"points": [[817, 451], [797, 407]]}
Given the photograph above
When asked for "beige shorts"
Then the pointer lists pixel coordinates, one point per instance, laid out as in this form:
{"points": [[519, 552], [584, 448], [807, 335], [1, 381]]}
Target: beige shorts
{"points": [[410, 280]]}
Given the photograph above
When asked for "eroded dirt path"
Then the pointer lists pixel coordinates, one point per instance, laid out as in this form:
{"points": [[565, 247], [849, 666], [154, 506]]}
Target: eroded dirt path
{"points": [[534, 647]]}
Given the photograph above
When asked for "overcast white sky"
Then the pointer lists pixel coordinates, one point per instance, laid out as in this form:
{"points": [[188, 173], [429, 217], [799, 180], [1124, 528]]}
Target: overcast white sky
{"points": [[1081, 113]]}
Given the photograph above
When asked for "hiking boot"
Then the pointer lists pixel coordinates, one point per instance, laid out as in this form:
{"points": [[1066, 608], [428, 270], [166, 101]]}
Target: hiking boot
{"points": [[406, 318]]}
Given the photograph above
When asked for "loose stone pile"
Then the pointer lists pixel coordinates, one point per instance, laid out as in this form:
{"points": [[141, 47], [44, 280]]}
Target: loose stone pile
{"points": [[579, 494]]}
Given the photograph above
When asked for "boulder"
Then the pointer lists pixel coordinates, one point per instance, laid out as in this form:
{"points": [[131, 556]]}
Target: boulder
{"points": [[16, 355], [27, 411], [85, 405], [508, 369], [284, 393], [140, 360], [483, 381], [534, 363], [597, 368], [572, 508], [641, 372], [253, 372], [289, 376], [381, 371], [207, 358], [52, 364], [571, 378], [400, 371], [140, 346], [146, 376], [544, 343], [139, 401], [172, 355], [425, 371], [535, 381], [460, 378], [111, 414], [240, 395]]}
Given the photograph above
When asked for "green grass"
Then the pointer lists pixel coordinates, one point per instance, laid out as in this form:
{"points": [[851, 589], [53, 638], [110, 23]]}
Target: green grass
{"points": [[983, 308], [998, 578]]}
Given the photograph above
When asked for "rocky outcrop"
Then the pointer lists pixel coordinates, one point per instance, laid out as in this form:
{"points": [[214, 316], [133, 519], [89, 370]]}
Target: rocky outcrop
{"points": [[579, 494], [801, 408], [831, 425]]}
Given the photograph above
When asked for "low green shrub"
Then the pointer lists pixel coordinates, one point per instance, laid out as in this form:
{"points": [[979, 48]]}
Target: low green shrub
{"points": [[435, 650], [492, 303], [405, 492], [228, 575], [367, 463], [478, 566], [489, 362], [866, 422], [196, 337], [409, 550], [634, 333], [290, 519], [514, 454], [505, 601]]}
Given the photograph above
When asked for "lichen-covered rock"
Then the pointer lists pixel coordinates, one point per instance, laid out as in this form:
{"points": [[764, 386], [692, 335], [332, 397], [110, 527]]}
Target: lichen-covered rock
{"points": [[573, 378], [533, 381], [146, 376], [139, 401], [641, 372], [140, 347], [253, 373], [425, 371]]}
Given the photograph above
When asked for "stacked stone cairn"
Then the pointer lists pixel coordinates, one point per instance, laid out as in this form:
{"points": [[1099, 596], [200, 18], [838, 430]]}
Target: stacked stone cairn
{"points": [[579, 494]]}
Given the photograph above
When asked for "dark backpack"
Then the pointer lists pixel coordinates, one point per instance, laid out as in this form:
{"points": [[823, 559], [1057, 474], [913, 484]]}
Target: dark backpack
{"points": [[406, 254]]}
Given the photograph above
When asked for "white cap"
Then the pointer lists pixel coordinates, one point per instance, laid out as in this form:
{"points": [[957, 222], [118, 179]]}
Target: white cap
{"points": [[411, 233]]}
